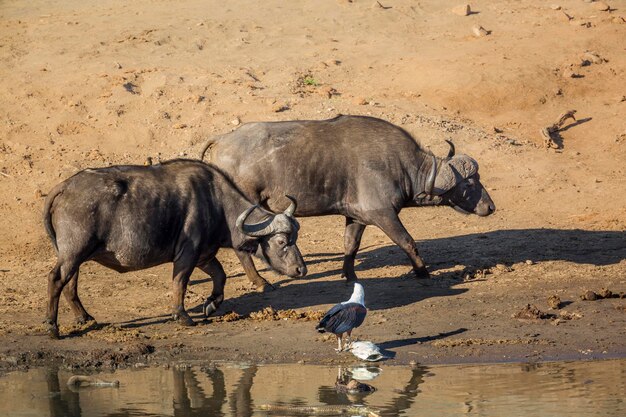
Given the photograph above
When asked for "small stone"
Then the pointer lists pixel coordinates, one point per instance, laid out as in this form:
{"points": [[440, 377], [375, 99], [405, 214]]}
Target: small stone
{"points": [[569, 73], [602, 6], [605, 293], [618, 20], [580, 22], [589, 296], [554, 302], [360, 101], [593, 57], [462, 10], [236, 121], [480, 31], [280, 107], [529, 262], [555, 7], [38, 193], [179, 126]]}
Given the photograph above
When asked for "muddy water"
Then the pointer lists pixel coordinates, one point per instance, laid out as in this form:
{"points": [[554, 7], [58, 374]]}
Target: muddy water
{"points": [[550, 389]]}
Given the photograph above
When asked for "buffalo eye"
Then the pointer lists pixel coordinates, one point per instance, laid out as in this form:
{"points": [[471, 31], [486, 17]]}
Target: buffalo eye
{"points": [[281, 241]]}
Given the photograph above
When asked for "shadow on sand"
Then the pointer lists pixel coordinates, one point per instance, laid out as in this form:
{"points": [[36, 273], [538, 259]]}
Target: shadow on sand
{"points": [[478, 250]]}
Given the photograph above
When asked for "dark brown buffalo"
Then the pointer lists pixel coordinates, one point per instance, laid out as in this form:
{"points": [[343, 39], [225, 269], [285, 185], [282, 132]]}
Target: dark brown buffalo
{"points": [[134, 217], [363, 168]]}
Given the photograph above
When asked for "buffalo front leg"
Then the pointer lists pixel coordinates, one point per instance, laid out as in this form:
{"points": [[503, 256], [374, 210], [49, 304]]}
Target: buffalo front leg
{"points": [[71, 296], [183, 267], [218, 276], [352, 241], [257, 280], [391, 225]]}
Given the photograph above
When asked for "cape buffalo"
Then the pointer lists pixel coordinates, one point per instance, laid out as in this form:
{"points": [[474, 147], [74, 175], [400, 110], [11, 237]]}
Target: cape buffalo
{"points": [[363, 168], [134, 217]]}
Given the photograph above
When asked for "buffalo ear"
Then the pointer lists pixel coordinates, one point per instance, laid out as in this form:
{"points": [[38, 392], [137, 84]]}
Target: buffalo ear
{"points": [[249, 246]]}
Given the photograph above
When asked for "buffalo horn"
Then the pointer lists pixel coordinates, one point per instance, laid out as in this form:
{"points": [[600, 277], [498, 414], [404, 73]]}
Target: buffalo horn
{"points": [[292, 207], [430, 181], [451, 151], [254, 230]]}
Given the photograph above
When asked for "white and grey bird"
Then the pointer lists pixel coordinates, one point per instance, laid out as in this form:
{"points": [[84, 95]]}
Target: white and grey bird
{"points": [[345, 317]]}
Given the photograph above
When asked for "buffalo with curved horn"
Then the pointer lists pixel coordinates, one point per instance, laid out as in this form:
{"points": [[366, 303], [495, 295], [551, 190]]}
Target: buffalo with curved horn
{"points": [[363, 168], [129, 218]]}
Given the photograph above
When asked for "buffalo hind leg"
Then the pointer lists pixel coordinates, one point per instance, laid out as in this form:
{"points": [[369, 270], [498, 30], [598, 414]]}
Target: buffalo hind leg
{"points": [[352, 241], [218, 276], [183, 267], [62, 272], [257, 280], [391, 225], [71, 296]]}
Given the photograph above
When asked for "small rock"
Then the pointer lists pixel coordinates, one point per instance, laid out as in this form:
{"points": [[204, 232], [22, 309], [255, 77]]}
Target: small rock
{"points": [[570, 73], [554, 302], [462, 10], [605, 293], [236, 121], [360, 101], [593, 57], [529, 262], [38, 193], [602, 6], [555, 7], [580, 22], [280, 107], [328, 92], [618, 20], [179, 126], [480, 31], [497, 129], [589, 296]]}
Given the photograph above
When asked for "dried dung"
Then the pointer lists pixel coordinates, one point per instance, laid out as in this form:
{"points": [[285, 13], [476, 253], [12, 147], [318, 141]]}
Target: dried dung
{"points": [[531, 313]]}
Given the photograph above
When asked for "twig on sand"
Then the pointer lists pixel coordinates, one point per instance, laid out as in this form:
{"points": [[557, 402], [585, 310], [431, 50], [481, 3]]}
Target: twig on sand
{"points": [[548, 132]]}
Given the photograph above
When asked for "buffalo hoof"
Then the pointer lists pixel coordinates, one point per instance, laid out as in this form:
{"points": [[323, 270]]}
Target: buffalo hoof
{"points": [[183, 319], [210, 307], [261, 285], [81, 320], [421, 273], [52, 329], [351, 278], [53, 333]]}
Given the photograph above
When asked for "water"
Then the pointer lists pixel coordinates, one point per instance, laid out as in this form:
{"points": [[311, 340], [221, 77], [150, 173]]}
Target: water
{"points": [[547, 389]]}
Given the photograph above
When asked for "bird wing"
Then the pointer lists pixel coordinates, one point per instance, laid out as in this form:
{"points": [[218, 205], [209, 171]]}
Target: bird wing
{"points": [[343, 317], [324, 321]]}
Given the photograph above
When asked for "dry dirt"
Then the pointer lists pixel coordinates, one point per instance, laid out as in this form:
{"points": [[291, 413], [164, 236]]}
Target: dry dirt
{"points": [[89, 84]]}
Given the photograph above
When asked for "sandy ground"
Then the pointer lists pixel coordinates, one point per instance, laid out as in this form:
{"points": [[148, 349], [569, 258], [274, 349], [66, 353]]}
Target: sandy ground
{"points": [[89, 84]]}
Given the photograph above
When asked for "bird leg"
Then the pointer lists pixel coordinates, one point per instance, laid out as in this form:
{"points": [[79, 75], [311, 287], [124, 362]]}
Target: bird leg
{"points": [[339, 343], [349, 340]]}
